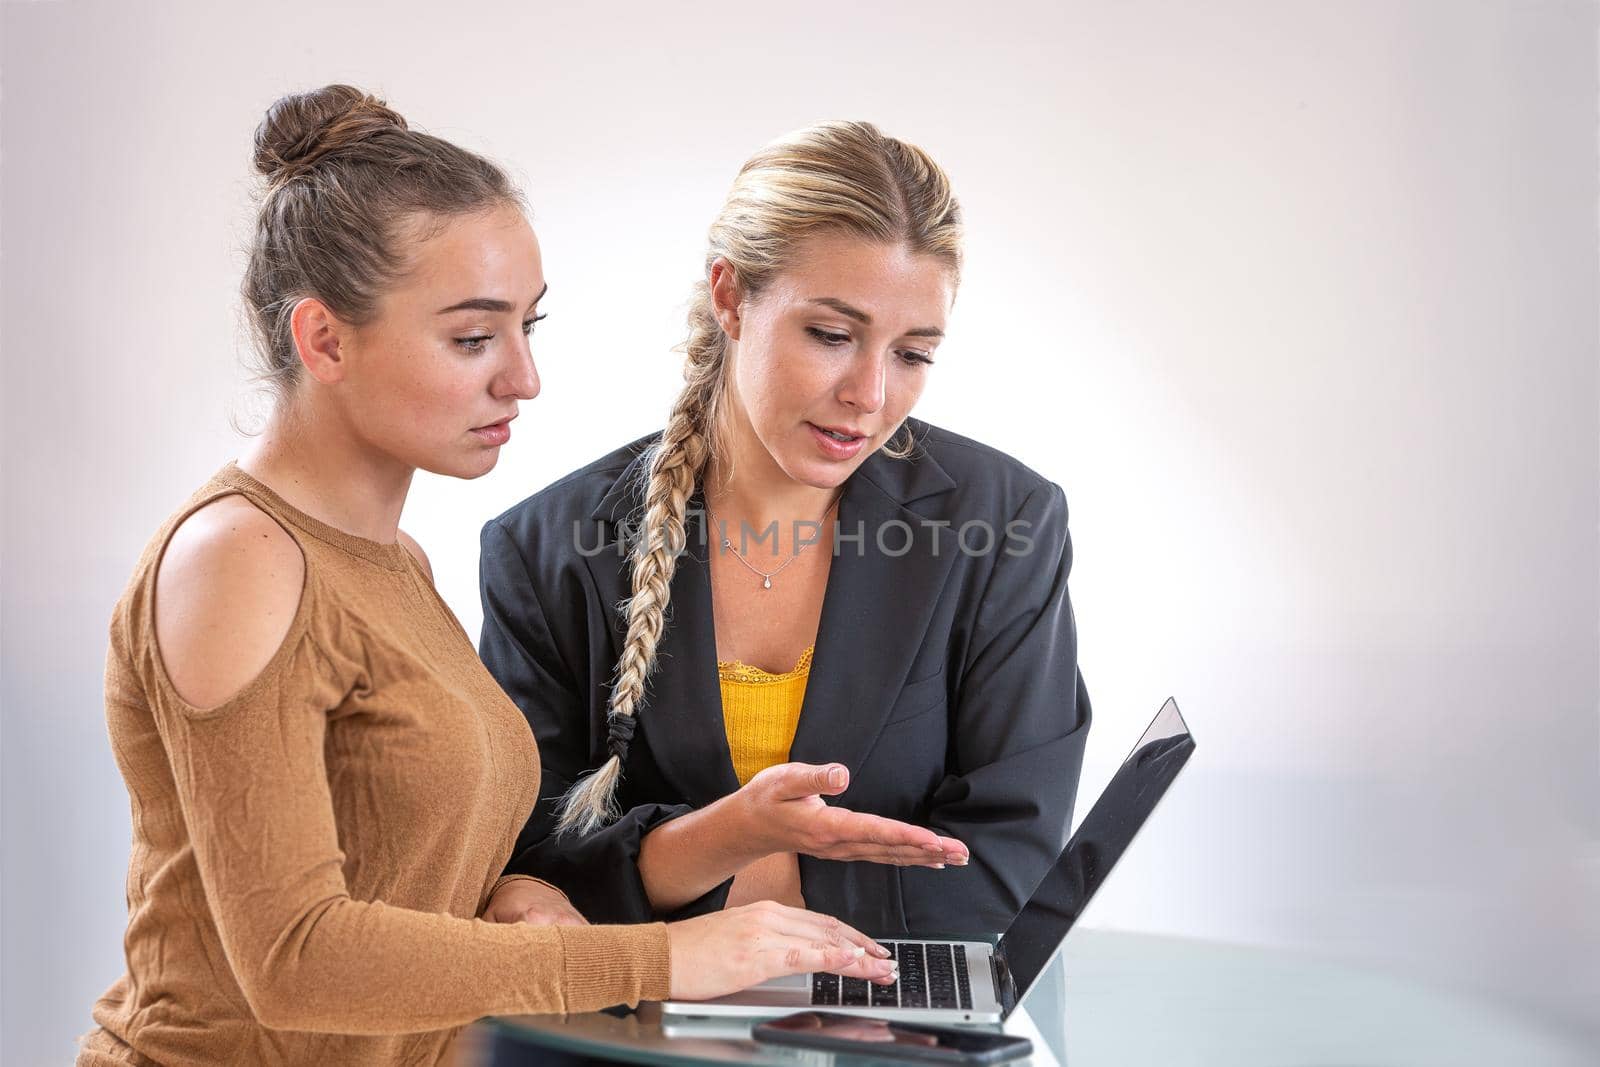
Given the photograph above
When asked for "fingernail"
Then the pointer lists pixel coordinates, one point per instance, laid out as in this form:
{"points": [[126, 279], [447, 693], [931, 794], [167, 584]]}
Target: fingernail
{"points": [[938, 866], [881, 951], [933, 848]]}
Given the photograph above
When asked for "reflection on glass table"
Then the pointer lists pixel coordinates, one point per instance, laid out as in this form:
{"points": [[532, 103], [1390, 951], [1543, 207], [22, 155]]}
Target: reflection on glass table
{"points": [[1112, 999]]}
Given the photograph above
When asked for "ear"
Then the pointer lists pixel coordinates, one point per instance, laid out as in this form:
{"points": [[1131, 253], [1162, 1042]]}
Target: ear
{"points": [[317, 337], [726, 296]]}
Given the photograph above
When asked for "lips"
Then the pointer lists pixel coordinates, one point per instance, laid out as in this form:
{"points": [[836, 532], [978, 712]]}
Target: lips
{"points": [[842, 434], [837, 442], [495, 433]]}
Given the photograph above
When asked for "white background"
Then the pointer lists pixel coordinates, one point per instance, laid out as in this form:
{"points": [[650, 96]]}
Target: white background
{"points": [[1296, 300]]}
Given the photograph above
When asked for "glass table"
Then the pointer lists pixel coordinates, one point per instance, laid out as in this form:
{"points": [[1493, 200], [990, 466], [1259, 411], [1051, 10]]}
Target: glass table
{"points": [[1134, 999]]}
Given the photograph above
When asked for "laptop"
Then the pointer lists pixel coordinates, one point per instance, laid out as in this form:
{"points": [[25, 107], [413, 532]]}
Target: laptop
{"points": [[975, 981]]}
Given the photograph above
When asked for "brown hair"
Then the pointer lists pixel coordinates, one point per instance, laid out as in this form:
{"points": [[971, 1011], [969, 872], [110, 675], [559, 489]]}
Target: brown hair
{"points": [[345, 177], [839, 177]]}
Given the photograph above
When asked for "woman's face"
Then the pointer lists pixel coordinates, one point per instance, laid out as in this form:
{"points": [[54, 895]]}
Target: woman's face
{"points": [[833, 354], [434, 379]]}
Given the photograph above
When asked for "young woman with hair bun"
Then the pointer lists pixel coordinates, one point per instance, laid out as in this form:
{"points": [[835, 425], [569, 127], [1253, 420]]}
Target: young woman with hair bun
{"points": [[325, 781], [844, 671]]}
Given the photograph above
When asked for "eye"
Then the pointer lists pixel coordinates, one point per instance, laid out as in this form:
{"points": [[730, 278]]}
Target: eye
{"points": [[828, 337], [920, 359], [527, 327], [478, 342]]}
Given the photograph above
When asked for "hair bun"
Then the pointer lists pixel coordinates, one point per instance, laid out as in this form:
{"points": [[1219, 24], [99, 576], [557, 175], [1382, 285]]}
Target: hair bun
{"points": [[301, 128]]}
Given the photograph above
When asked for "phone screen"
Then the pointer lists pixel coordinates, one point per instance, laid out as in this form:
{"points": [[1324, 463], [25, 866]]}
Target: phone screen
{"points": [[827, 1028]]}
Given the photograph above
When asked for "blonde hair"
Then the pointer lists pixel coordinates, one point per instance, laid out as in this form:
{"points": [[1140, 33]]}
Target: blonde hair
{"points": [[835, 177]]}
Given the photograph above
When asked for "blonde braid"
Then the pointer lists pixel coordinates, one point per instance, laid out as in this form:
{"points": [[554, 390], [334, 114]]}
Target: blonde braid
{"points": [[675, 466]]}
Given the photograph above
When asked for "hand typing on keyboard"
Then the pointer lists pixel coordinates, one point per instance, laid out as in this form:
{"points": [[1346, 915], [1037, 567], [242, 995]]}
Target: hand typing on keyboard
{"points": [[931, 976], [736, 948]]}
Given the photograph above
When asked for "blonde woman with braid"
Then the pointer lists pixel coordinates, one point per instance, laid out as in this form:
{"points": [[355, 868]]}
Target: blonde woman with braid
{"points": [[844, 669], [325, 782]]}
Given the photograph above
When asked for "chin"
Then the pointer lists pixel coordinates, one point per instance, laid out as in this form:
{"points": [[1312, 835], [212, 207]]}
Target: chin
{"points": [[465, 466], [819, 473]]}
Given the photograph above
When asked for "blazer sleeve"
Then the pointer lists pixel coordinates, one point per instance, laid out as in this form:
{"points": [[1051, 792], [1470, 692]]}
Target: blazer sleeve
{"points": [[1017, 732], [599, 871]]}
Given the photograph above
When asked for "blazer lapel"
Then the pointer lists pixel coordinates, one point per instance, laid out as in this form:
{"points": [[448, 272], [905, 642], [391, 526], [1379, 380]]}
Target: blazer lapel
{"points": [[876, 609]]}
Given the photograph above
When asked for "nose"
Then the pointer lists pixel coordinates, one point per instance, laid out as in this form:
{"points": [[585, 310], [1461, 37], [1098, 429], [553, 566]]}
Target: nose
{"points": [[519, 378], [863, 388]]}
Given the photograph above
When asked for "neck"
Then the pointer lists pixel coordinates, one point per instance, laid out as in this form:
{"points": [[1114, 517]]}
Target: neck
{"points": [[760, 492], [314, 462]]}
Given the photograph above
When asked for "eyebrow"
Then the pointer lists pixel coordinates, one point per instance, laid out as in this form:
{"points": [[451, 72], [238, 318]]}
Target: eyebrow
{"points": [[488, 303], [866, 320]]}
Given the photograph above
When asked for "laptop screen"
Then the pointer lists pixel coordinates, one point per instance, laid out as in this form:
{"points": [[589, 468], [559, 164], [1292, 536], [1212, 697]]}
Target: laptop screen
{"points": [[1036, 935]]}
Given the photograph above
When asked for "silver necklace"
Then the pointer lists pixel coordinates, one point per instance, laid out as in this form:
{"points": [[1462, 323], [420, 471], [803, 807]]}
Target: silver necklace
{"points": [[767, 576]]}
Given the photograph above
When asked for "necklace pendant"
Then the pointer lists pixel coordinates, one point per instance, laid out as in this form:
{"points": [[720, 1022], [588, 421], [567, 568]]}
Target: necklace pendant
{"points": [[766, 583]]}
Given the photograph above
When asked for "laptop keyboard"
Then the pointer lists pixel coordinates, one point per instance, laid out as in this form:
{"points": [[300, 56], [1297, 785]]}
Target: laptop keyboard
{"points": [[932, 975]]}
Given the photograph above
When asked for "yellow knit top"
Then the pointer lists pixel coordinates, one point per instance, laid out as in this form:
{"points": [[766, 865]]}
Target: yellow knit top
{"points": [[760, 712]]}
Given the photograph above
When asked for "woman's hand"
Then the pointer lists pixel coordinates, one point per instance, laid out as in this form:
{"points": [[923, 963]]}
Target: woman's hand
{"points": [[726, 951], [786, 813], [780, 810], [523, 900]]}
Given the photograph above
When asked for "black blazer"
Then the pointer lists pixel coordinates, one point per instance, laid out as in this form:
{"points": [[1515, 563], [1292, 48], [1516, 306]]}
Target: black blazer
{"points": [[945, 677]]}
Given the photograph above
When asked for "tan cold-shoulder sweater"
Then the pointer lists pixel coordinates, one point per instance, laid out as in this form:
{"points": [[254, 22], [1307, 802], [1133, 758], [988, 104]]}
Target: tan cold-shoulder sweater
{"points": [[309, 857]]}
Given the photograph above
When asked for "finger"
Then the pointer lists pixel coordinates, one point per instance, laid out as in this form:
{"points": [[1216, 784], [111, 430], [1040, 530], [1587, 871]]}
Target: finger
{"points": [[910, 854], [799, 956], [811, 779], [876, 830], [797, 922], [897, 857], [826, 927], [955, 851], [884, 972], [857, 828], [903, 855]]}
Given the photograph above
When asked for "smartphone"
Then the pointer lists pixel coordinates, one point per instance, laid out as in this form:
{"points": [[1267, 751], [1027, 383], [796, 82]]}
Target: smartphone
{"points": [[864, 1036]]}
